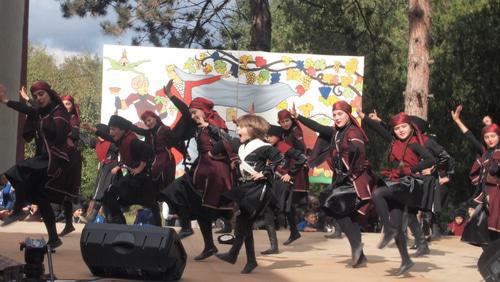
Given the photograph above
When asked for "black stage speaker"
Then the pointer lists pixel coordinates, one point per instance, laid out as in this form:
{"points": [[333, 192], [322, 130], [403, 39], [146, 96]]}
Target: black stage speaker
{"points": [[489, 262], [132, 251]]}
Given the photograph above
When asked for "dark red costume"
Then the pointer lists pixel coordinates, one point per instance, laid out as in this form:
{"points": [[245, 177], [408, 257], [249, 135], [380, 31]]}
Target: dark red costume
{"points": [[295, 138], [43, 178], [485, 175]]}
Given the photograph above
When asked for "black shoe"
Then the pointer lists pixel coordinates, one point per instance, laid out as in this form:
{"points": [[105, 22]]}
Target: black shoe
{"points": [[185, 233], [13, 218], [227, 257], [249, 267], [206, 253], [357, 253], [361, 261], [292, 238], [389, 235], [271, 251], [422, 250], [55, 244], [414, 247], [66, 230], [334, 235], [404, 267]]}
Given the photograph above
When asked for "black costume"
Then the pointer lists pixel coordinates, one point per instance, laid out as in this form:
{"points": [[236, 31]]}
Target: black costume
{"points": [[130, 189], [350, 191], [252, 196], [41, 179], [401, 186]]}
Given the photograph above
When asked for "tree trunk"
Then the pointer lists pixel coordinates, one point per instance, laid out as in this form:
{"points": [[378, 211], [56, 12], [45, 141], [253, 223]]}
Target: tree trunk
{"points": [[261, 25], [417, 81]]}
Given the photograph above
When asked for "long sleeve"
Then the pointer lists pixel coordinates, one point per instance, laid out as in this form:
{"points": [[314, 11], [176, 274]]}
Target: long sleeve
{"points": [[139, 130], [300, 160], [444, 162], [357, 159], [273, 158], [378, 128], [427, 160], [185, 127], [21, 107], [477, 145], [324, 130]]}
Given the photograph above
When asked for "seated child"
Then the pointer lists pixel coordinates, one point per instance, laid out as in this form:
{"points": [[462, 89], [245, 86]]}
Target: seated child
{"points": [[309, 223]]}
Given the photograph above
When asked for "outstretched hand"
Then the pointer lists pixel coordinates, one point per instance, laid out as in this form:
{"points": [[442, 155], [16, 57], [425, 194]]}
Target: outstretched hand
{"points": [[23, 94], [455, 115], [374, 116], [487, 121], [167, 88]]}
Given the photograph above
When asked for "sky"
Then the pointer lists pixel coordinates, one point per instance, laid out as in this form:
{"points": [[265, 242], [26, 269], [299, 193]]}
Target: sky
{"points": [[66, 37]]}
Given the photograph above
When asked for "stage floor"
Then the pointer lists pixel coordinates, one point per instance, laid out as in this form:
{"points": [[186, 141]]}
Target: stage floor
{"points": [[311, 258]]}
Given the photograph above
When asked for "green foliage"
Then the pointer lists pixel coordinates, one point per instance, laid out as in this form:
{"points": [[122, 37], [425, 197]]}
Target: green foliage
{"points": [[159, 22], [80, 77]]}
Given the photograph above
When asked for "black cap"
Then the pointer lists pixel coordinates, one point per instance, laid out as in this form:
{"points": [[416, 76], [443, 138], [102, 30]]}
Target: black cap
{"points": [[118, 121], [275, 131], [102, 128]]}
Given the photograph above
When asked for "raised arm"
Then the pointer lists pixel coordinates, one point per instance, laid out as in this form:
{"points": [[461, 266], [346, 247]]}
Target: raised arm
{"points": [[18, 106], [324, 130], [455, 115]]}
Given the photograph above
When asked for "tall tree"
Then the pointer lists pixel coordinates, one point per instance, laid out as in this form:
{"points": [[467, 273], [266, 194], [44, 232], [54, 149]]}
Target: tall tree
{"points": [[261, 25], [417, 82]]}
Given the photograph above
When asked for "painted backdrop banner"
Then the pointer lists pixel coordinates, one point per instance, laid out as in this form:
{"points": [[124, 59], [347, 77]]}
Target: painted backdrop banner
{"points": [[236, 81]]}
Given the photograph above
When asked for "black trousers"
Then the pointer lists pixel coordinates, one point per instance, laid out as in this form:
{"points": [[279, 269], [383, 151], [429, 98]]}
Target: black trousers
{"points": [[390, 211], [28, 179], [130, 190]]}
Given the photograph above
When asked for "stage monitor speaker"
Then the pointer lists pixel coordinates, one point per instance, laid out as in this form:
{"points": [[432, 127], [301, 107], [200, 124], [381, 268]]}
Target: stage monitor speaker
{"points": [[489, 262], [133, 252]]}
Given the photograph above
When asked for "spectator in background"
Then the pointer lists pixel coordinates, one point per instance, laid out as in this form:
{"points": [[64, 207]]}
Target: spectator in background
{"points": [[7, 193], [456, 227], [309, 223]]}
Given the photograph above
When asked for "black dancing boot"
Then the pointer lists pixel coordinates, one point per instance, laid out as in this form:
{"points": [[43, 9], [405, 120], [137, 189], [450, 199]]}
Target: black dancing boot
{"points": [[405, 266], [388, 235], [208, 240], [420, 242], [206, 253], [251, 259], [436, 232], [273, 239], [232, 255], [361, 261], [294, 235], [406, 262]]}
